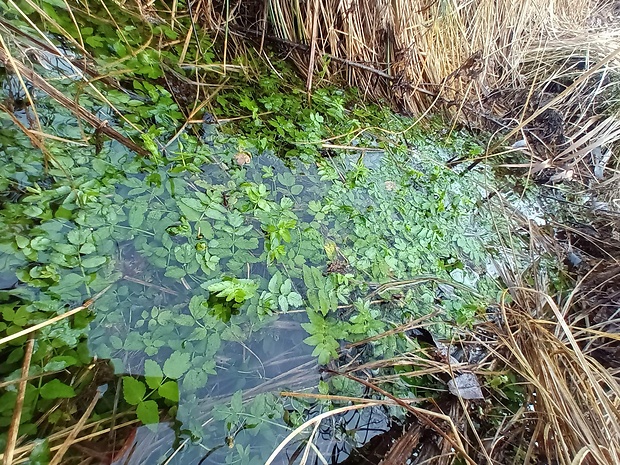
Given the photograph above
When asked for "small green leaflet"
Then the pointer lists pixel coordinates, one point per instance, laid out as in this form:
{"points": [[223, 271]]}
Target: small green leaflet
{"points": [[136, 214], [55, 389], [153, 374], [93, 262], [176, 365], [169, 390], [133, 390], [148, 412]]}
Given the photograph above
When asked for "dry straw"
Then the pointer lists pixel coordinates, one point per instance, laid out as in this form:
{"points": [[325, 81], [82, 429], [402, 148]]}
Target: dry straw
{"points": [[485, 62]]}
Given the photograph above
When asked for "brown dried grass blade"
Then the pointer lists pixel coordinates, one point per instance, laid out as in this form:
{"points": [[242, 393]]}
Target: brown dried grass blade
{"points": [[575, 400], [19, 404], [56, 460], [57, 318]]}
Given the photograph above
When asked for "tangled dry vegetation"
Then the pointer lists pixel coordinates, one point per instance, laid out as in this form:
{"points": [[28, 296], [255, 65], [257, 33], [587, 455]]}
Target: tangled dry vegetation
{"points": [[569, 389], [543, 72]]}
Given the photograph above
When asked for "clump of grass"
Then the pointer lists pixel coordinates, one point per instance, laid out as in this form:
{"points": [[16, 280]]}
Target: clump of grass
{"points": [[557, 403], [572, 412], [543, 70]]}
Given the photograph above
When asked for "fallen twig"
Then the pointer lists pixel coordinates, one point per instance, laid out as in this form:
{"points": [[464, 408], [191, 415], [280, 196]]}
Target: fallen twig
{"points": [[53, 320], [80, 112], [19, 403]]}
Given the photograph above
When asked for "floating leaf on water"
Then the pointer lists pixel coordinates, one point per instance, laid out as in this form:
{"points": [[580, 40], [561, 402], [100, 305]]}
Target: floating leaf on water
{"points": [[176, 365], [93, 262]]}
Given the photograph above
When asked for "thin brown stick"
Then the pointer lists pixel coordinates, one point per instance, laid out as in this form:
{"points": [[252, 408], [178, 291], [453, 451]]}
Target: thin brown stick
{"points": [[19, 404], [53, 320], [80, 112], [76, 430], [27, 449], [359, 400], [146, 284]]}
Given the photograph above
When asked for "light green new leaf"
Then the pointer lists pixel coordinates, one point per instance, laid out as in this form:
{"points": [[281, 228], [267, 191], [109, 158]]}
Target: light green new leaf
{"points": [[169, 390], [147, 412], [133, 390]]}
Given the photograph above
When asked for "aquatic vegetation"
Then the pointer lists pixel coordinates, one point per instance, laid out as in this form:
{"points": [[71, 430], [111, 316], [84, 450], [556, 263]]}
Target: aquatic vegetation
{"points": [[197, 253]]}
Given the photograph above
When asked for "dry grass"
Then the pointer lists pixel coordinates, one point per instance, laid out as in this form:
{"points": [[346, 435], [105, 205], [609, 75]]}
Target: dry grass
{"points": [[573, 414], [570, 408], [516, 65]]}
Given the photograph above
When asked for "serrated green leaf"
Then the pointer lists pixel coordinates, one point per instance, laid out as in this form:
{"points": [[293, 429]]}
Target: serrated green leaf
{"points": [[194, 379], [169, 390], [133, 390], [185, 320], [274, 283], [184, 253], [148, 412], [177, 364], [152, 373], [236, 402], [295, 300], [286, 287], [197, 307], [246, 244], [198, 334], [214, 214]]}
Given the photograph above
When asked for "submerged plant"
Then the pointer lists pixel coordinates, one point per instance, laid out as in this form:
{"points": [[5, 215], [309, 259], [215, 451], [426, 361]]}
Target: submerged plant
{"points": [[201, 257]]}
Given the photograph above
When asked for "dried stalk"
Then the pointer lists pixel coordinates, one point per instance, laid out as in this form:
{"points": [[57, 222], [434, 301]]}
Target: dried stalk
{"points": [[19, 404]]}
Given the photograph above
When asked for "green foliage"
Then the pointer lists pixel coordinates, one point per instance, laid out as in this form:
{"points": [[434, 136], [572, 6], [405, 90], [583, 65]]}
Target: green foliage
{"points": [[55, 389], [135, 393], [203, 255], [324, 336], [177, 364], [280, 294], [235, 289], [321, 292]]}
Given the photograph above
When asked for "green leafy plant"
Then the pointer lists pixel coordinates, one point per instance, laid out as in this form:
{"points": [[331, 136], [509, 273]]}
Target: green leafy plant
{"points": [[324, 336], [199, 255], [235, 289]]}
